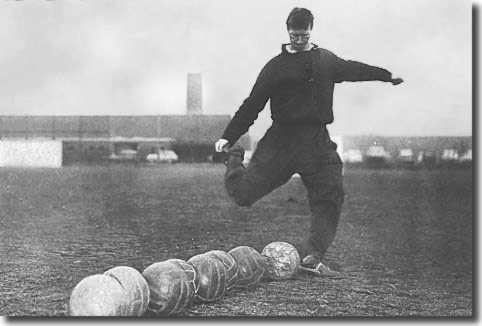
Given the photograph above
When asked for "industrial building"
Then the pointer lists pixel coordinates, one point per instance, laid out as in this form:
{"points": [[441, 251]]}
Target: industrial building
{"points": [[94, 139], [408, 151]]}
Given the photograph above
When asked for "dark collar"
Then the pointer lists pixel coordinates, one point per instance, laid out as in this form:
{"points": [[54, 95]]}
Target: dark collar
{"points": [[285, 45]]}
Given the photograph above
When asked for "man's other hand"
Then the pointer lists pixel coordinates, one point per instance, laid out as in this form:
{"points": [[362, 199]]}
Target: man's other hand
{"points": [[396, 81], [221, 145]]}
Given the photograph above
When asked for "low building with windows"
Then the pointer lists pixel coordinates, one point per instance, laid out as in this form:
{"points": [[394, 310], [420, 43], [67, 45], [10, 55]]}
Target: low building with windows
{"points": [[96, 139]]}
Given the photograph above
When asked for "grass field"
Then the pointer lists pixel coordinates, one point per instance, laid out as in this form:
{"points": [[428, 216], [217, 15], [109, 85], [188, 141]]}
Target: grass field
{"points": [[404, 243]]}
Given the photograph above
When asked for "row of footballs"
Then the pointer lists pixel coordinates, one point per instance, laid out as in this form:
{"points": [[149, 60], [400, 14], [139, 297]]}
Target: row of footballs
{"points": [[168, 287]]}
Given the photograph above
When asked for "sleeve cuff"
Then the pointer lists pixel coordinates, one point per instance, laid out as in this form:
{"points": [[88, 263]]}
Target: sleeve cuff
{"points": [[228, 138]]}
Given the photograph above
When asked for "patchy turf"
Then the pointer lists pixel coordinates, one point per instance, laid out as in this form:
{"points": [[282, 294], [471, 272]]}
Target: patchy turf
{"points": [[404, 242]]}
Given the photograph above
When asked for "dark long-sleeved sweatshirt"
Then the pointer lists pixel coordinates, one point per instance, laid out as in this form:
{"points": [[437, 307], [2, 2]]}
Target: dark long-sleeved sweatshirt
{"points": [[300, 89]]}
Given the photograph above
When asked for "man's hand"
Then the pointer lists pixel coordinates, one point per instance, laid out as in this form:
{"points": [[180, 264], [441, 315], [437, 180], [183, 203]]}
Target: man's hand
{"points": [[396, 81], [221, 145]]}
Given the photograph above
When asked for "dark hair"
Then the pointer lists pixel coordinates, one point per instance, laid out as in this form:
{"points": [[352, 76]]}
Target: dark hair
{"points": [[299, 18]]}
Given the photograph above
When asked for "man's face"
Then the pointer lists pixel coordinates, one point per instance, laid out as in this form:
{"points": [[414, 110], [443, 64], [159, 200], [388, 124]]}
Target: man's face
{"points": [[299, 38]]}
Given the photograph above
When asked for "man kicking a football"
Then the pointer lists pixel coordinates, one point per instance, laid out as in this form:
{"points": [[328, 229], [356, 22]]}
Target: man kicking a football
{"points": [[299, 83]]}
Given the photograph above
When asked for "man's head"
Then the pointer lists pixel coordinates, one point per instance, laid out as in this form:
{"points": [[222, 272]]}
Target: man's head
{"points": [[299, 25]]}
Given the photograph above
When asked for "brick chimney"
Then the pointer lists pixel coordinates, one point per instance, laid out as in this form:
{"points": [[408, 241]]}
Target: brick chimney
{"points": [[194, 94]]}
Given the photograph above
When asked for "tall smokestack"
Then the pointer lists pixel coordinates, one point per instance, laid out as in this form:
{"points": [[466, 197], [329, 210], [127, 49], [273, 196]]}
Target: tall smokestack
{"points": [[194, 94]]}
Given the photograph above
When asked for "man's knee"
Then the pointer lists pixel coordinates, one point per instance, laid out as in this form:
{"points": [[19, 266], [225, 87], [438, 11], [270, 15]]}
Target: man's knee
{"points": [[241, 188]]}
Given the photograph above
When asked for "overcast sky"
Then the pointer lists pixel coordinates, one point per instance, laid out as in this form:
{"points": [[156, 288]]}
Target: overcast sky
{"points": [[132, 57]]}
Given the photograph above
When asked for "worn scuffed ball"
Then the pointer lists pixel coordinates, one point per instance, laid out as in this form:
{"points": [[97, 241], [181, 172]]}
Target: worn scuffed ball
{"points": [[282, 260], [98, 295], [171, 287], [191, 273], [251, 266], [212, 283], [229, 264], [136, 288]]}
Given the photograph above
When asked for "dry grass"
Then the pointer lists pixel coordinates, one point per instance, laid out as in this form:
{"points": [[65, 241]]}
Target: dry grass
{"points": [[404, 242]]}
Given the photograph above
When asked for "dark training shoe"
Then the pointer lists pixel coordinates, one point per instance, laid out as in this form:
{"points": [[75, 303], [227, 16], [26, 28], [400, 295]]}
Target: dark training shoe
{"points": [[235, 156], [312, 264], [311, 260]]}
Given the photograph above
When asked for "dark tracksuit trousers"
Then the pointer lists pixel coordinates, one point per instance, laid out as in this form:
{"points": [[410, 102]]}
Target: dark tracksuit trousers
{"points": [[283, 151], [300, 87]]}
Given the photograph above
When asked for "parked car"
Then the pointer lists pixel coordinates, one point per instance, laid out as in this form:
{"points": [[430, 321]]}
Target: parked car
{"points": [[377, 157], [466, 157], [450, 155], [465, 160], [124, 155], [406, 158], [427, 159], [353, 156], [162, 156]]}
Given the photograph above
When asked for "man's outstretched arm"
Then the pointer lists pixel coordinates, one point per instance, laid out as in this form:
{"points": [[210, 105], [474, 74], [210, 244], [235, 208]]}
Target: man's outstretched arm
{"points": [[349, 70]]}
